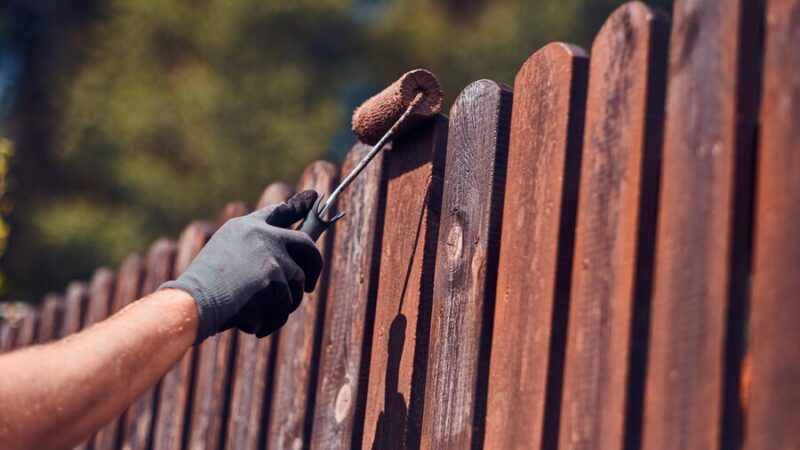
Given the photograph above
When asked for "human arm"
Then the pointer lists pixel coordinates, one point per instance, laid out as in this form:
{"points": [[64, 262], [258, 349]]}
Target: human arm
{"points": [[250, 275], [55, 395]]}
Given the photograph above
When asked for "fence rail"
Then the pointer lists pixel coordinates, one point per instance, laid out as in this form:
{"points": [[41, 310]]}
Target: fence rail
{"points": [[592, 259]]}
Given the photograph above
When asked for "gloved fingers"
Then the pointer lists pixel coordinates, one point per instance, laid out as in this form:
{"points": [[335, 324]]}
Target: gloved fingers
{"points": [[296, 289], [267, 307], [275, 316], [273, 325], [309, 259], [293, 210]]}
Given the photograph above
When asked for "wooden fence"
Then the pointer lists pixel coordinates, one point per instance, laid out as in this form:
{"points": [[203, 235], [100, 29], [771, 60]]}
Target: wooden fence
{"points": [[611, 260]]}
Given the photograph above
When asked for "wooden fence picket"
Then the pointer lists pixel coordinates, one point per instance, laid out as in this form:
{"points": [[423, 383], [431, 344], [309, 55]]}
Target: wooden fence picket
{"points": [[127, 289], [773, 410], [571, 269], [466, 267], [292, 397], [50, 318], [252, 376], [702, 243], [214, 363], [350, 304], [138, 428], [28, 328], [101, 292], [76, 298], [397, 365], [536, 247], [615, 234], [176, 385]]}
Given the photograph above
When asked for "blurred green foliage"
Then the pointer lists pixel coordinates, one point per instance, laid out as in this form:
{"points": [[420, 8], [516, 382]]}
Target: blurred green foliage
{"points": [[147, 114]]}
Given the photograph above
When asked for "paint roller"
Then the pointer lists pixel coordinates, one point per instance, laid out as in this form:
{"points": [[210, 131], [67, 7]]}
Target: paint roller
{"points": [[406, 103]]}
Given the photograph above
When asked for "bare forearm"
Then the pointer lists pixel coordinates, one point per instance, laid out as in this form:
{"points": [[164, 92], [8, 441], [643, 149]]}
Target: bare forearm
{"points": [[56, 395]]}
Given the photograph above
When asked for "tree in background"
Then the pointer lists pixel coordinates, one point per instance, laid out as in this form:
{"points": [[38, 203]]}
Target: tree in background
{"points": [[134, 118]]}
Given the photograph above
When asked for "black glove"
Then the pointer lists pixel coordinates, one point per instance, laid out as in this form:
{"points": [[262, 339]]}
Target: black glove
{"points": [[253, 270]]}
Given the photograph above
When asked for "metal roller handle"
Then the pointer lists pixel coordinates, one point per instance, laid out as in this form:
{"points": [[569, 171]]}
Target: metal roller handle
{"points": [[314, 225]]}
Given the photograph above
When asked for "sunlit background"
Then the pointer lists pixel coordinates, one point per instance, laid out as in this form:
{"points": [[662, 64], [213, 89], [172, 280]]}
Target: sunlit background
{"points": [[121, 120]]}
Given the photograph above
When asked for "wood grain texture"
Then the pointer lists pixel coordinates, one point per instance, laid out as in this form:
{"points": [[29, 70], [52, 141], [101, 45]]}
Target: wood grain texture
{"points": [[615, 234], [127, 289], [292, 401], [138, 428], [52, 314], [466, 267], [253, 369], [214, 358], [176, 385], [350, 304], [773, 416], [702, 246], [399, 348], [536, 248]]}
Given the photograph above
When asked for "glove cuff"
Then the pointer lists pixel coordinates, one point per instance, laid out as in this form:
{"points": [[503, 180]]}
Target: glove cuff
{"points": [[211, 294]]}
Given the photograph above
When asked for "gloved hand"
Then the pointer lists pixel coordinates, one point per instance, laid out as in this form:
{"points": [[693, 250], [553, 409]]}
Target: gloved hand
{"points": [[252, 272]]}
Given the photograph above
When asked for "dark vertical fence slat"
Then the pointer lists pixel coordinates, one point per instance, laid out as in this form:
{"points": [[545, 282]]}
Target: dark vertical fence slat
{"points": [[213, 371], [101, 291], [17, 328], [127, 289], [292, 399], [176, 385], [253, 371], [138, 430], [702, 249], [536, 246], [351, 295], [6, 337], [399, 348], [50, 318], [773, 417], [75, 300], [28, 327], [615, 230], [466, 267]]}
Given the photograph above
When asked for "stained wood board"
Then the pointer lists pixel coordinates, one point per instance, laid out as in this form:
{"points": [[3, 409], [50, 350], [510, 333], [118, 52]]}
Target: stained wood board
{"points": [[399, 347], [350, 307], [772, 387], [176, 385], [536, 249], [138, 428], [292, 397], [615, 234], [702, 241], [466, 267], [252, 376], [127, 289], [214, 364]]}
